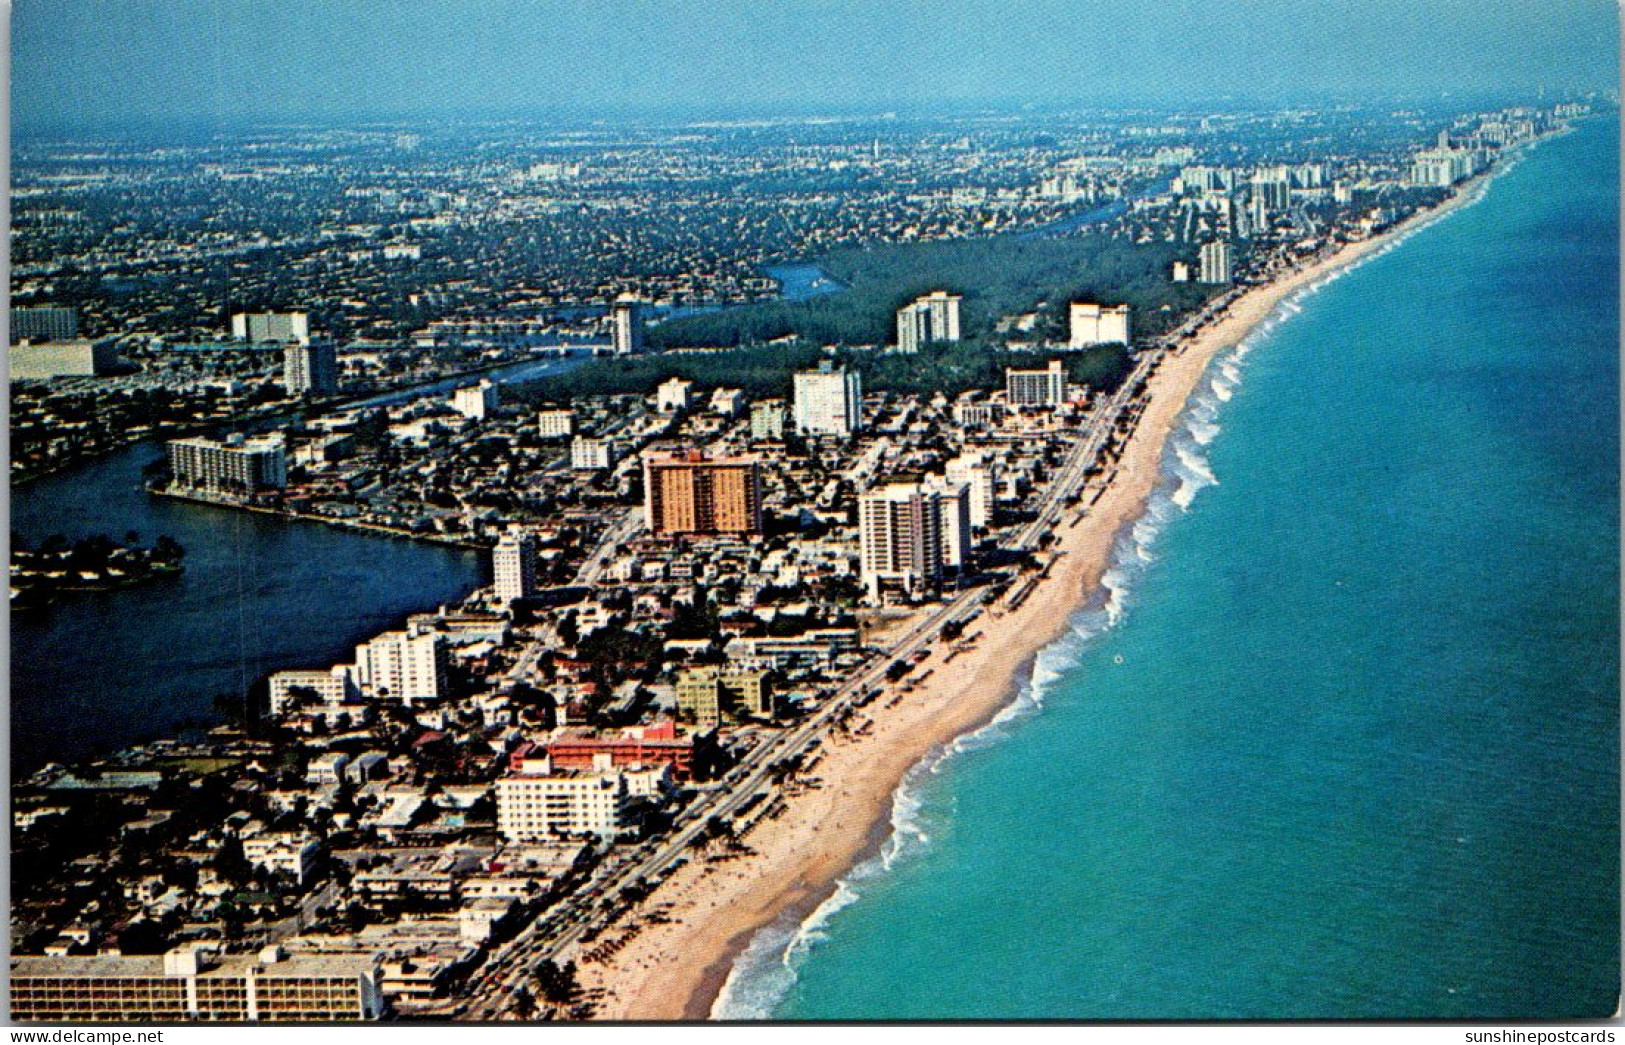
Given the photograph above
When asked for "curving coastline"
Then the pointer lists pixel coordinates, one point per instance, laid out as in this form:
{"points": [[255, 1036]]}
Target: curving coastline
{"points": [[676, 970]]}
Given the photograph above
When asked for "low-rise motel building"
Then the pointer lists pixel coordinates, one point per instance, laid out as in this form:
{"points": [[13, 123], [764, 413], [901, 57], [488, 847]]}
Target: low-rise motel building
{"points": [[192, 983]]}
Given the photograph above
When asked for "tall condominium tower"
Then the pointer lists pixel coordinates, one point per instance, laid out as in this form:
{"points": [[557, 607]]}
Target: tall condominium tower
{"points": [[310, 368], [627, 321], [690, 493], [934, 317], [828, 401]]}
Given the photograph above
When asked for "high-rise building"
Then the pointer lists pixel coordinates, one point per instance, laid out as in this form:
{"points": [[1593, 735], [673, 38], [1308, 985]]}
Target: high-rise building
{"points": [[979, 474], [310, 368], [1273, 185], [705, 692], [193, 984], [1037, 388], [74, 358], [402, 666], [261, 327], [674, 396], [1216, 262], [591, 455], [767, 420], [44, 324], [540, 804], [513, 567], [626, 319], [909, 533], [689, 493], [235, 464], [1092, 324], [476, 402], [934, 317], [555, 423], [828, 401]]}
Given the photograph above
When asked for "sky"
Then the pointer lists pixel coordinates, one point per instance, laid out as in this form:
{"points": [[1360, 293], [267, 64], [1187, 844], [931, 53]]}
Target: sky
{"points": [[90, 62]]}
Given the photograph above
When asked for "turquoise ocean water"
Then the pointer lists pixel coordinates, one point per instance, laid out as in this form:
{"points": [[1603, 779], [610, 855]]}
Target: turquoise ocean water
{"points": [[1344, 741]]}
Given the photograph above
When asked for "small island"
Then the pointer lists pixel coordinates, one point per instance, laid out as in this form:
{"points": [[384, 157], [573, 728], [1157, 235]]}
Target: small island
{"points": [[98, 563]]}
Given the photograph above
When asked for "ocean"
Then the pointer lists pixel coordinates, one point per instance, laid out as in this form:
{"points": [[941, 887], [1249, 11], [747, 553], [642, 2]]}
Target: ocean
{"points": [[1342, 740]]}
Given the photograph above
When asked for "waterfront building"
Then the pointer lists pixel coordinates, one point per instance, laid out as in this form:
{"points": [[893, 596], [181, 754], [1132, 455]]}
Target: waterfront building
{"points": [[706, 692], [978, 473], [236, 464], [909, 532], [332, 688], [476, 402], [542, 802], [1216, 262], [262, 327], [310, 368], [767, 420], [1092, 324], [52, 359], [828, 401], [691, 493], [933, 317], [674, 396], [652, 745], [44, 324], [402, 666], [1036, 388], [513, 567], [591, 455], [555, 423], [626, 321], [190, 983]]}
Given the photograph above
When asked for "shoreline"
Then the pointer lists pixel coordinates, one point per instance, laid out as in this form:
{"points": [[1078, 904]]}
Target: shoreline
{"points": [[676, 970]]}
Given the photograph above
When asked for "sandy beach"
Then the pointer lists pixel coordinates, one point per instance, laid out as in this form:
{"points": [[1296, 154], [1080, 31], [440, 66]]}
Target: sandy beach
{"points": [[674, 970]]}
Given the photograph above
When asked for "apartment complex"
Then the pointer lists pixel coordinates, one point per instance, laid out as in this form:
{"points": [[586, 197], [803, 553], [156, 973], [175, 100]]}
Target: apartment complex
{"points": [[910, 533], [261, 327], [690, 493], [310, 368], [828, 401], [513, 567], [44, 324], [235, 464], [402, 666], [933, 317], [626, 323], [1044, 388], [706, 692], [1092, 324]]}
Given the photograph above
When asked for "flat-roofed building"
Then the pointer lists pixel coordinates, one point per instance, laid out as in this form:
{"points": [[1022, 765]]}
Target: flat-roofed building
{"points": [[1039, 388], [1092, 324], [543, 803], [707, 692], [555, 423], [933, 317], [909, 533], [513, 567], [591, 455], [691, 493], [767, 421], [1216, 262], [626, 322], [476, 402], [332, 687], [402, 666], [235, 464], [674, 396], [46, 323], [310, 368], [262, 327], [189, 984], [828, 401], [53, 359]]}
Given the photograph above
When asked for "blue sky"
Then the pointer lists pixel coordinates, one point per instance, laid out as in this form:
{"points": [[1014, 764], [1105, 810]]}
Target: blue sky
{"points": [[106, 61]]}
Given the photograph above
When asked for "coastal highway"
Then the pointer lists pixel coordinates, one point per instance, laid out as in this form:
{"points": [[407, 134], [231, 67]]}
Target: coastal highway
{"points": [[512, 965]]}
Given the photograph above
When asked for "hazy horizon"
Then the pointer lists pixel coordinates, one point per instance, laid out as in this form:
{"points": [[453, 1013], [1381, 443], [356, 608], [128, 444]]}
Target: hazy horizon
{"points": [[82, 64]]}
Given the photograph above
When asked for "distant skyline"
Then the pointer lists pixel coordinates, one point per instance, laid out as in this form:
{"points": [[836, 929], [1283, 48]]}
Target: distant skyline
{"points": [[110, 62]]}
